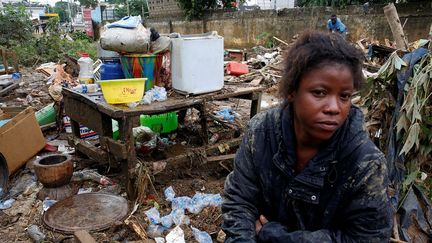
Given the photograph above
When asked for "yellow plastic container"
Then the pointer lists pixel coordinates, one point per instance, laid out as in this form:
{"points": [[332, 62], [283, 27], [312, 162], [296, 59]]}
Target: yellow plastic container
{"points": [[120, 91]]}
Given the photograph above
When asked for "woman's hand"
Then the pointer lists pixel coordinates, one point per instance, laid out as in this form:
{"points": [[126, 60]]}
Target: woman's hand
{"points": [[259, 223]]}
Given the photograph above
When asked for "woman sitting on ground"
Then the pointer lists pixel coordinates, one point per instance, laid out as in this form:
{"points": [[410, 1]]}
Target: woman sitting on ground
{"points": [[307, 171]]}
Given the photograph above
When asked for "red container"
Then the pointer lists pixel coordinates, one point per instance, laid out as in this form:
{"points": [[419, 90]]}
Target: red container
{"points": [[236, 68]]}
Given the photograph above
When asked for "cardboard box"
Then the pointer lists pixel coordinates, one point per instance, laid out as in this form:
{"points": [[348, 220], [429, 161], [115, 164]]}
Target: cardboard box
{"points": [[20, 138]]}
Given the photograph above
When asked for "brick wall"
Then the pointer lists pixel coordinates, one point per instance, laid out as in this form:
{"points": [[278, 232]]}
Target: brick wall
{"points": [[241, 29]]}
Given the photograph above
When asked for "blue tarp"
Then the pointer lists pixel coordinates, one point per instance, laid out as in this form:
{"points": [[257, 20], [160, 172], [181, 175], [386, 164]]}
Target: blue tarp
{"points": [[128, 22]]}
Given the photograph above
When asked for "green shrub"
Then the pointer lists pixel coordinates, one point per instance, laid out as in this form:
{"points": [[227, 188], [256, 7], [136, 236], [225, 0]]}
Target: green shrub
{"points": [[15, 25]]}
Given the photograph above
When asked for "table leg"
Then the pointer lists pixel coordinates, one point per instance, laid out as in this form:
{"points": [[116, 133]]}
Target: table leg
{"points": [[106, 126], [256, 104], [75, 128], [125, 128], [203, 121]]}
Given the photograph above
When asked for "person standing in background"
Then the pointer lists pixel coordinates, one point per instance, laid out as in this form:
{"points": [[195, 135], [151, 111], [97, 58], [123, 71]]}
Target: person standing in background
{"points": [[335, 25]]}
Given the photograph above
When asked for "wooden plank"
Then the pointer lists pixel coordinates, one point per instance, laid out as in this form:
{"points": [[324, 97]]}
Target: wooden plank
{"points": [[83, 113], [172, 104], [6, 91], [256, 105], [184, 160], [83, 236], [118, 111], [220, 157], [117, 149], [88, 149], [256, 81]]}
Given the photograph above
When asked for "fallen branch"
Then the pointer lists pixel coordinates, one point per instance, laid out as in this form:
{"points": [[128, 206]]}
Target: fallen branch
{"points": [[137, 227], [281, 41]]}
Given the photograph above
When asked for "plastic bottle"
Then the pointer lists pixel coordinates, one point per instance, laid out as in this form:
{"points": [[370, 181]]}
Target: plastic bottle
{"points": [[86, 88], [86, 69]]}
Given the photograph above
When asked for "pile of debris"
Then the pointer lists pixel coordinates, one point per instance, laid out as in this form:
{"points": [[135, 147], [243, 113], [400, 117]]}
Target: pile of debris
{"points": [[262, 67], [399, 110]]}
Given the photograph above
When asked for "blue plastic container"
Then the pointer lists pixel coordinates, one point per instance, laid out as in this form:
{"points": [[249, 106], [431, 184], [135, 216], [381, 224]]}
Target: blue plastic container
{"points": [[111, 69]]}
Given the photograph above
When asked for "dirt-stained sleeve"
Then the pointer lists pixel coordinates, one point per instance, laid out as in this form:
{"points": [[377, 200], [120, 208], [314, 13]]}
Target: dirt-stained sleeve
{"points": [[367, 214], [239, 209]]}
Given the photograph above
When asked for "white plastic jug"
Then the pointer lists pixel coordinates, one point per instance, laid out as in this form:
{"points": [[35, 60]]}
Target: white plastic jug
{"points": [[86, 69]]}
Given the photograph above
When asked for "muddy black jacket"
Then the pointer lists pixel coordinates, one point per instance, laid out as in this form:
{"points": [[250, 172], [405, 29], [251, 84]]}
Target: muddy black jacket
{"points": [[340, 196]]}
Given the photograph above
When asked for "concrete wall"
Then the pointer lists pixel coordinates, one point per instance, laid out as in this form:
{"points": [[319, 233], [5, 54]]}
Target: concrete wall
{"points": [[240, 29]]}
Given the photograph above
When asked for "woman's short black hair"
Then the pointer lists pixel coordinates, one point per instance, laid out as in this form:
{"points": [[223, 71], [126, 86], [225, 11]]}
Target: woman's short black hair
{"points": [[314, 49]]}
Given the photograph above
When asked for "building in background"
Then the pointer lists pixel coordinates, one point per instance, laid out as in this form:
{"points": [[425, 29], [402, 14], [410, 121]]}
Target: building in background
{"points": [[158, 8]]}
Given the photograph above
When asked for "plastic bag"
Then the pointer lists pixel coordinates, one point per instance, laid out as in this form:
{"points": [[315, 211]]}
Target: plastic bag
{"points": [[145, 139], [153, 216], [155, 231], [175, 236], [201, 236], [128, 22], [126, 40], [155, 94]]}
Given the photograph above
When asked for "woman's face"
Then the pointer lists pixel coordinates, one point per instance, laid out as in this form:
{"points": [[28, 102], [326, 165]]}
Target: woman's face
{"points": [[322, 102]]}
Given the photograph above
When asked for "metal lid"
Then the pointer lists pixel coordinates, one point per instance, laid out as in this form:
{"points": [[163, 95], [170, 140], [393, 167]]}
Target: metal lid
{"points": [[88, 211]]}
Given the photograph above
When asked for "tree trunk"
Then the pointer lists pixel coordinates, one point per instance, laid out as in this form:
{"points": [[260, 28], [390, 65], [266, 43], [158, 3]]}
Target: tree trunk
{"points": [[395, 26]]}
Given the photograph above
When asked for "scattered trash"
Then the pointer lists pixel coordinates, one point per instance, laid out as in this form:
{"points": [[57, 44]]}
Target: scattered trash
{"points": [[35, 233], [155, 94], [159, 240], [7, 203], [226, 113], [86, 88], [175, 236], [221, 236], [145, 139], [153, 216], [214, 138], [47, 203], [132, 105], [201, 236], [16, 149], [236, 69], [54, 170], [24, 185], [91, 175], [155, 231], [88, 211], [84, 190]]}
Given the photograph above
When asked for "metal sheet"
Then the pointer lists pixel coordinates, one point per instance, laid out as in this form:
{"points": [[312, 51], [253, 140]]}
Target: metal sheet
{"points": [[88, 211]]}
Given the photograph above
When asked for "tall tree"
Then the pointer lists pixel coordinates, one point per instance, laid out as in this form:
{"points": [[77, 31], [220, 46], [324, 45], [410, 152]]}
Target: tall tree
{"points": [[62, 9], [88, 3], [136, 7], [16, 25]]}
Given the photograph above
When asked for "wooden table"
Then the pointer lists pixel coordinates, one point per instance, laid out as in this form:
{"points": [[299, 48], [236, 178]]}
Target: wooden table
{"points": [[96, 114]]}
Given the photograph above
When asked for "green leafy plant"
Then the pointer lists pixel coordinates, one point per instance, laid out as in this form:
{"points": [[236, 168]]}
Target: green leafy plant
{"points": [[16, 25], [413, 120], [266, 39]]}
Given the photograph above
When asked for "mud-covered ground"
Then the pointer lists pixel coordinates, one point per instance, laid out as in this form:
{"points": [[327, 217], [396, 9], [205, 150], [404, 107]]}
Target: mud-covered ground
{"points": [[206, 178]]}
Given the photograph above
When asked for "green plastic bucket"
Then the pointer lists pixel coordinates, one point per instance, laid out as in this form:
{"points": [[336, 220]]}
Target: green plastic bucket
{"points": [[46, 115]]}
